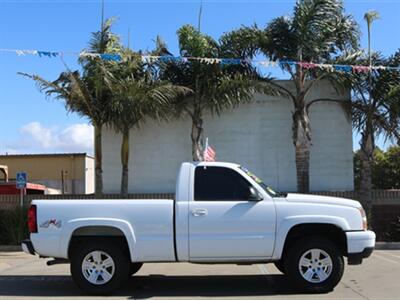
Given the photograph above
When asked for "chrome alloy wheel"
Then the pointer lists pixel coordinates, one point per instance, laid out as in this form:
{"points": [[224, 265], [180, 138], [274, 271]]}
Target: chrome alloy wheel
{"points": [[315, 265], [98, 267]]}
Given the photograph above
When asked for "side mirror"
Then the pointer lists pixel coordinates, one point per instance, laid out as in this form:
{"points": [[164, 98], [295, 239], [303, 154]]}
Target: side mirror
{"points": [[254, 195]]}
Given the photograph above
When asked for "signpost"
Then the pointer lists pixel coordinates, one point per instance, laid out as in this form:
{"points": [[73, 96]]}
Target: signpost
{"points": [[21, 180]]}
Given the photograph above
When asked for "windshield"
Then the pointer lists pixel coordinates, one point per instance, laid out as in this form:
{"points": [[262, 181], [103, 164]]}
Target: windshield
{"points": [[266, 188]]}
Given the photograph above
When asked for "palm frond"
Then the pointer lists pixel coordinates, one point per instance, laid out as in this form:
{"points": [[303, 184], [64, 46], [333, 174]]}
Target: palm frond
{"points": [[371, 16], [243, 42], [376, 98]]}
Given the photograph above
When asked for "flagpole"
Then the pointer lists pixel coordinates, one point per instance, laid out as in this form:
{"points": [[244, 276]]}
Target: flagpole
{"points": [[205, 148]]}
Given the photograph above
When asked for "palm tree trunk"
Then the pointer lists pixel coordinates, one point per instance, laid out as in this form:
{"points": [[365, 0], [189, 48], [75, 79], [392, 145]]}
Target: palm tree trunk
{"points": [[301, 131], [125, 161], [366, 156], [98, 153], [303, 167], [302, 144], [197, 137]]}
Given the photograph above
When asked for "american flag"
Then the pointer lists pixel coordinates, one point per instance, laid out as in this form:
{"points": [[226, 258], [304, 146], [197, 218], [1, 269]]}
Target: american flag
{"points": [[209, 153]]}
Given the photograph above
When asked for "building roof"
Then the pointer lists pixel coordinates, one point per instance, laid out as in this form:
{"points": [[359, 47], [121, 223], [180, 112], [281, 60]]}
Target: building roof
{"points": [[44, 155], [29, 185]]}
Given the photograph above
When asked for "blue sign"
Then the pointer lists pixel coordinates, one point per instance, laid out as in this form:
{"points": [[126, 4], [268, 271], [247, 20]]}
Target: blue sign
{"points": [[21, 180]]}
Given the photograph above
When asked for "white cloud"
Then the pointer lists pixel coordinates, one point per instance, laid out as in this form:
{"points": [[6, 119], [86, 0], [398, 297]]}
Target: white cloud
{"points": [[77, 136], [40, 135], [36, 138]]}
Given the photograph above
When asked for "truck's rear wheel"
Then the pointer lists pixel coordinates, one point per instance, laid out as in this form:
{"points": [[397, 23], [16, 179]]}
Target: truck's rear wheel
{"points": [[314, 264], [99, 268], [280, 265]]}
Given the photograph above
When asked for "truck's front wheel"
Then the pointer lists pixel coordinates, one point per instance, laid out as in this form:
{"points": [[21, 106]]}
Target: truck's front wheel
{"points": [[135, 267], [315, 264], [99, 268]]}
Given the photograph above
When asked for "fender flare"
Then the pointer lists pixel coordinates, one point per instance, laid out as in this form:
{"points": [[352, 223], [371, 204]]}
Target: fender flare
{"points": [[74, 224], [288, 223]]}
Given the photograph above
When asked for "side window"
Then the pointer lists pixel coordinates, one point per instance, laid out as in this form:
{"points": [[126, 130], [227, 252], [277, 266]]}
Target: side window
{"points": [[218, 183]]}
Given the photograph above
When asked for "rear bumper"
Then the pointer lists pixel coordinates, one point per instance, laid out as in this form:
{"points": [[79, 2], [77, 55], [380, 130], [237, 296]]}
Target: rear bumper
{"points": [[360, 245], [27, 247]]}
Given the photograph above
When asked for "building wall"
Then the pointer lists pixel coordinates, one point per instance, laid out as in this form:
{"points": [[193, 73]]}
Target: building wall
{"points": [[89, 175], [257, 135], [48, 170]]}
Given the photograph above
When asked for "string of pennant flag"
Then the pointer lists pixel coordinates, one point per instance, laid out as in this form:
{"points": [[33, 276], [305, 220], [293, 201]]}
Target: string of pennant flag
{"points": [[222, 61]]}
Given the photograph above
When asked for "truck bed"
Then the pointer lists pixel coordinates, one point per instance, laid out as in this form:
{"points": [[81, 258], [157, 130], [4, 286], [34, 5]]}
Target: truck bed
{"points": [[147, 224]]}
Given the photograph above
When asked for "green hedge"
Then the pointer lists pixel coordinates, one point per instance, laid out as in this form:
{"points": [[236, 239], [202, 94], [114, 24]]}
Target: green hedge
{"points": [[393, 234], [13, 226]]}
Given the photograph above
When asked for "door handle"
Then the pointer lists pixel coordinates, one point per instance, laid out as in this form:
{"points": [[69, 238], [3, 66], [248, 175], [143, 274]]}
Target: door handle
{"points": [[199, 212]]}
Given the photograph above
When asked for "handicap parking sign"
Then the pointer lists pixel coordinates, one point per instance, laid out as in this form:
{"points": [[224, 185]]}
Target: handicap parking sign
{"points": [[21, 180]]}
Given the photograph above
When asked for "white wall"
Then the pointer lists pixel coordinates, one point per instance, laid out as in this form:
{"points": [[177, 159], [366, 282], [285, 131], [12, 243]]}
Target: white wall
{"points": [[89, 175], [256, 135]]}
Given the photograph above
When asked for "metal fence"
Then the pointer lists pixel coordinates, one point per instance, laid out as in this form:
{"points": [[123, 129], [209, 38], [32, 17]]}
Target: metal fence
{"points": [[379, 197], [13, 201], [386, 204]]}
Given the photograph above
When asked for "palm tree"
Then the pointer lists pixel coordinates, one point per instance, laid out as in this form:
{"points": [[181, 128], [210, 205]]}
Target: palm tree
{"points": [[86, 93], [367, 141], [137, 94], [376, 111], [370, 17], [103, 41], [215, 86], [318, 32]]}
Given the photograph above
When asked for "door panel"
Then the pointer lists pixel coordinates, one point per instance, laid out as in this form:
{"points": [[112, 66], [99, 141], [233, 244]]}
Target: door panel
{"points": [[231, 229], [223, 223]]}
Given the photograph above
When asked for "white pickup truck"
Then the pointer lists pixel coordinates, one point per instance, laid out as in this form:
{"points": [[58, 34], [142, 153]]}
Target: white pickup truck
{"points": [[222, 213]]}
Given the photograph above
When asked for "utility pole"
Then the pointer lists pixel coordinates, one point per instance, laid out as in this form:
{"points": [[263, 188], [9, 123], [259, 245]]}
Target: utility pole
{"points": [[102, 15], [200, 13]]}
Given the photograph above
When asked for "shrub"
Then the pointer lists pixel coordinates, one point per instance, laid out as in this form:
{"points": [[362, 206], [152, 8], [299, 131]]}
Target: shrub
{"points": [[13, 226], [393, 234]]}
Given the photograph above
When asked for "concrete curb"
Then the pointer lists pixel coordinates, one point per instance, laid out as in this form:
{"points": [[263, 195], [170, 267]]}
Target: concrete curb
{"points": [[10, 248], [387, 246]]}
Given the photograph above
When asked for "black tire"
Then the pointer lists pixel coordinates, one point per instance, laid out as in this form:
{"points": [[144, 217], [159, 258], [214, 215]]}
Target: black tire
{"points": [[120, 267], [135, 267], [280, 265], [293, 270]]}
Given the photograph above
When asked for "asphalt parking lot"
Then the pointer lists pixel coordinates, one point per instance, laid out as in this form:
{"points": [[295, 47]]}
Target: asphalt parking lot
{"points": [[28, 277]]}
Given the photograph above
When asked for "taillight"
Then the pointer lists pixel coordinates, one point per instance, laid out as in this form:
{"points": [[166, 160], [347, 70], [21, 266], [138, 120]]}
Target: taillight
{"points": [[32, 220]]}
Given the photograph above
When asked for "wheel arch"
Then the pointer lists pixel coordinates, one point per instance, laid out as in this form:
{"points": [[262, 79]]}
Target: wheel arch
{"points": [[83, 229], [334, 231]]}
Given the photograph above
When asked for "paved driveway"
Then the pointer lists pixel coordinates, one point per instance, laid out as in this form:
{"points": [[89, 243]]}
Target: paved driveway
{"points": [[28, 277]]}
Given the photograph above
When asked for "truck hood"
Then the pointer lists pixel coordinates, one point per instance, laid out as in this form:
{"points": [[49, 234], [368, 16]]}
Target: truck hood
{"points": [[291, 197]]}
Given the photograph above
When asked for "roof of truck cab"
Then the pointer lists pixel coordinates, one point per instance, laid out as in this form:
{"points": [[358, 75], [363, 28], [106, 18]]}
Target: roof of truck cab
{"points": [[215, 164]]}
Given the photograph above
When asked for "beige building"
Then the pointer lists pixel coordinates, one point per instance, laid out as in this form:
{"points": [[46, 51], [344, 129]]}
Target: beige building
{"points": [[69, 173]]}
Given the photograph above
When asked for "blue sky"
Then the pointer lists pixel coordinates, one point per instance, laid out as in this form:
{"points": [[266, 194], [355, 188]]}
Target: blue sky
{"points": [[32, 123]]}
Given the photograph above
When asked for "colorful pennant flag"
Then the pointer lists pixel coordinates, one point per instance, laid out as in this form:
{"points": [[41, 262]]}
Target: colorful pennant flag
{"points": [[208, 60]]}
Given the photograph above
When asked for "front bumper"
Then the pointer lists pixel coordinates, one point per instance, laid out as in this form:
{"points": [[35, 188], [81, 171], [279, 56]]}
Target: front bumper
{"points": [[360, 245], [27, 247]]}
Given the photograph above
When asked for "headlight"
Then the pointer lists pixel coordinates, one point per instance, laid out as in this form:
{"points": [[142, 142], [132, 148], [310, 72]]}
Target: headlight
{"points": [[363, 218]]}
